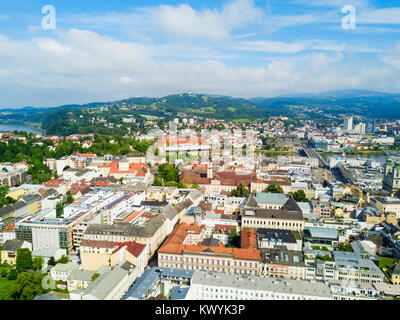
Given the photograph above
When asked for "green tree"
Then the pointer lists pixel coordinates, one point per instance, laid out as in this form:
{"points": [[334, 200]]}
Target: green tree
{"points": [[95, 276], [274, 188], [37, 263], [70, 198], [24, 259], [299, 196], [52, 261], [234, 238], [63, 259], [13, 274], [3, 273], [27, 286], [166, 173], [60, 209], [240, 191]]}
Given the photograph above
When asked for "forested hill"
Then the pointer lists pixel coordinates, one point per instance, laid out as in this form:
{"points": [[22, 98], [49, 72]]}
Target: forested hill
{"points": [[351, 102], [348, 102]]}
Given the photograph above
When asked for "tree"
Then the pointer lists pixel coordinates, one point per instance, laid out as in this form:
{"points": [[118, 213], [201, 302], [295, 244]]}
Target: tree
{"points": [[240, 191], [70, 198], [166, 173], [299, 196], [95, 276], [12, 275], [52, 261], [274, 188], [234, 239], [24, 259], [27, 286], [37, 263], [60, 209], [63, 259]]}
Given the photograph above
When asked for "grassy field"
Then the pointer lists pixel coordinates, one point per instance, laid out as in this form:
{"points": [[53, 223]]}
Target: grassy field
{"points": [[5, 289], [5, 285], [386, 263]]}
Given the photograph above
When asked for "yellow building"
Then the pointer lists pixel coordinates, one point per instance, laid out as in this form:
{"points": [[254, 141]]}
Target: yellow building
{"points": [[17, 193], [95, 254], [372, 219], [389, 205], [10, 248], [395, 271]]}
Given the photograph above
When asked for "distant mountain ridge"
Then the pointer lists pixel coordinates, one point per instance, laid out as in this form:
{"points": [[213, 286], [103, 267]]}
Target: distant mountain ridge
{"points": [[346, 102]]}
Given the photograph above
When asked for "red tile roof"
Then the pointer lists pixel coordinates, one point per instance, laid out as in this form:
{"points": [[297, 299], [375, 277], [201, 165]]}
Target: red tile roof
{"points": [[248, 239], [174, 244], [132, 247]]}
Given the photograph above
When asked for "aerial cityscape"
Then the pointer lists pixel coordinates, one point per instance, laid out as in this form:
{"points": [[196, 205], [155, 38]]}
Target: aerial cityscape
{"points": [[198, 150]]}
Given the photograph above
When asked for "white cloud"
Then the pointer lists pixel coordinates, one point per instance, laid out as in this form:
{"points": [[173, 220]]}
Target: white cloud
{"points": [[393, 58], [81, 66], [380, 16]]}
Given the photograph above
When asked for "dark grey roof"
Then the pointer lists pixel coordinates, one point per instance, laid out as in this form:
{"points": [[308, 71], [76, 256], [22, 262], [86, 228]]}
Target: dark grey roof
{"points": [[278, 214], [12, 245], [285, 235], [210, 242], [291, 205], [282, 256], [395, 269], [108, 229], [154, 203], [252, 202], [19, 205], [6, 210], [172, 211]]}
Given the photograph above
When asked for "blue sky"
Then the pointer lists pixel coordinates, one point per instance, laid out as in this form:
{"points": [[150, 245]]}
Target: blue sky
{"points": [[107, 50]]}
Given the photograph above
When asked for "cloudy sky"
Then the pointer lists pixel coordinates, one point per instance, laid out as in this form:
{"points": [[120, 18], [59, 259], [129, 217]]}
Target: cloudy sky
{"points": [[105, 50]]}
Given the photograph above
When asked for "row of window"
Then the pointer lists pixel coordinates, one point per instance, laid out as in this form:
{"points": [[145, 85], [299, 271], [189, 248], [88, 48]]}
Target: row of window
{"points": [[209, 261], [273, 223]]}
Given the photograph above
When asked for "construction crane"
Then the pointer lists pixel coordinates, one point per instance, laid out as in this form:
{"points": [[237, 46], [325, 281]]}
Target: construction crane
{"points": [[361, 193]]}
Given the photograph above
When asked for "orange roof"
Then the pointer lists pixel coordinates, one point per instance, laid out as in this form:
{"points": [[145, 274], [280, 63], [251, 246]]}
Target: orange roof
{"points": [[248, 239], [88, 155], [132, 247], [174, 244], [140, 168], [132, 216], [54, 183], [9, 227], [199, 167]]}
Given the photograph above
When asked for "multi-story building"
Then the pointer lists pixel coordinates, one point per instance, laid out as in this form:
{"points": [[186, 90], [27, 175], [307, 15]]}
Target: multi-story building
{"points": [[174, 253], [45, 230], [290, 217], [320, 270], [12, 174], [387, 205], [391, 176], [150, 229], [269, 238], [352, 267], [97, 253], [280, 262], [222, 286]]}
